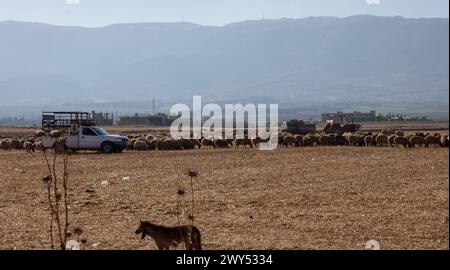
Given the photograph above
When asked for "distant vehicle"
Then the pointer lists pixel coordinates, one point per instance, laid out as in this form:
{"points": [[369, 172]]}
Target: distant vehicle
{"points": [[81, 133], [295, 126]]}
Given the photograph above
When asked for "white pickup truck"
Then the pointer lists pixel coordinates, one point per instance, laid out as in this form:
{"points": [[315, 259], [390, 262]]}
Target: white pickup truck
{"points": [[91, 138]]}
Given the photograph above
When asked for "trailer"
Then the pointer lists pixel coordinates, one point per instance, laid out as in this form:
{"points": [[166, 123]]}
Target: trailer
{"points": [[340, 128]]}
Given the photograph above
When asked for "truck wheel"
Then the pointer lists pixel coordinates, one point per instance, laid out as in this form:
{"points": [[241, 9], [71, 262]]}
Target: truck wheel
{"points": [[107, 148]]}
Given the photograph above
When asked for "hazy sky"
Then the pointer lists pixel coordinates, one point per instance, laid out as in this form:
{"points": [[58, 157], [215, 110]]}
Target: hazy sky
{"points": [[94, 13]]}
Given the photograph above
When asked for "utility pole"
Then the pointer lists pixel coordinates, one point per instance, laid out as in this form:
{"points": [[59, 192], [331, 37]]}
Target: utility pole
{"points": [[153, 102]]}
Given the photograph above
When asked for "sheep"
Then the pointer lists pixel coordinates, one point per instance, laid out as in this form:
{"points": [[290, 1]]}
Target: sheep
{"points": [[382, 140], [399, 133], [363, 137], [169, 144], [186, 144], [256, 141], [153, 144], [315, 138], [417, 140], [163, 145], [141, 146], [38, 145], [354, 140], [16, 144], [207, 143], [244, 142], [198, 143], [401, 140], [431, 140], [149, 137], [39, 133], [290, 140], [146, 141], [445, 141], [131, 144], [281, 140], [28, 146], [5, 144], [325, 139], [369, 140], [391, 139], [308, 141], [173, 145], [339, 140], [299, 139], [220, 143]]}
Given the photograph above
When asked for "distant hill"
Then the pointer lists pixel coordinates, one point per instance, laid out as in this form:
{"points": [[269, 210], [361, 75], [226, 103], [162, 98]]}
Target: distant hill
{"points": [[320, 61]]}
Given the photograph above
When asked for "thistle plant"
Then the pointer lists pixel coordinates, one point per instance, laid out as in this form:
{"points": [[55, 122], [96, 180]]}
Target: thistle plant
{"points": [[192, 173], [54, 196]]}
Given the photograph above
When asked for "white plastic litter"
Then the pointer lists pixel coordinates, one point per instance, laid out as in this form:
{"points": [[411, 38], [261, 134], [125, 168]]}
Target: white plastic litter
{"points": [[372, 245], [72, 245], [125, 178]]}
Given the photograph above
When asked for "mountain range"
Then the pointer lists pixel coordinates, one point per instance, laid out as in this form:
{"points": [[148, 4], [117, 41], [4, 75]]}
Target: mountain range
{"points": [[313, 62]]}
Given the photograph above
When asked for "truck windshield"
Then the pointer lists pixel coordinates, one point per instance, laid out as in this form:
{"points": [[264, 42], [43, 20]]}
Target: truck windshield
{"points": [[100, 131]]}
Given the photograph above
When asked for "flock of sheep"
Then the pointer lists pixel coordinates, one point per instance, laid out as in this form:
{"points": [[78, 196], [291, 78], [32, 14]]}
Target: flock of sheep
{"points": [[29, 144], [165, 142], [383, 138]]}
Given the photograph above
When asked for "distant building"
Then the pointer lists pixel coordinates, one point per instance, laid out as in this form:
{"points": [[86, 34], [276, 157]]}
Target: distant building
{"points": [[159, 119], [18, 121], [102, 119], [339, 117]]}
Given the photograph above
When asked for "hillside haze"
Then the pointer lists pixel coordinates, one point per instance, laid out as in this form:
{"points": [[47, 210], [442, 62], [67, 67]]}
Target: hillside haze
{"points": [[322, 61]]}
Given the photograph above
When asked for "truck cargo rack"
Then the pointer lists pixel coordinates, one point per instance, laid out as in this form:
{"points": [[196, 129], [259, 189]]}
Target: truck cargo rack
{"points": [[67, 121]]}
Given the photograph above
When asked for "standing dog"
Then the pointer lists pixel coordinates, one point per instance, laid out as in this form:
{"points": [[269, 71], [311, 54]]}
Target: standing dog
{"points": [[171, 236]]}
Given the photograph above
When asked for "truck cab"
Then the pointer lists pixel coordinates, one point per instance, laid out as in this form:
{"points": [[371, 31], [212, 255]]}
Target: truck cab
{"points": [[80, 133], [96, 138]]}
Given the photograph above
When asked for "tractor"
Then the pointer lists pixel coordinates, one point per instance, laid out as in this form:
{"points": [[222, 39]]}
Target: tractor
{"points": [[299, 127]]}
